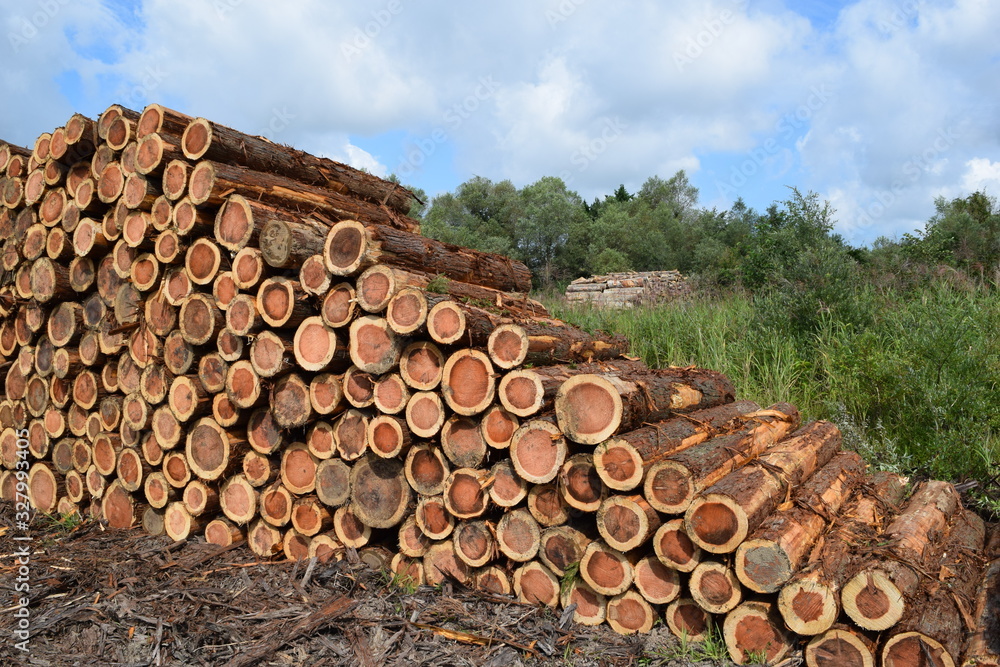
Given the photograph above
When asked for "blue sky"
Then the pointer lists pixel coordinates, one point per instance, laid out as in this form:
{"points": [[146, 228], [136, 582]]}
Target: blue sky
{"points": [[878, 105]]}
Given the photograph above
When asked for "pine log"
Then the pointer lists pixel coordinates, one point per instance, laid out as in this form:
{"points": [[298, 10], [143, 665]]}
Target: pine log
{"points": [[627, 522], [325, 548], [778, 548], [211, 451], [546, 504], [333, 482], [498, 427], [388, 436], [200, 499], [606, 570], [156, 118], [412, 541], [722, 517], [687, 620], [43, 488], [421, 365], [202, 261], [433, 518], [715, 588], [623, 461], [561, 547], [271, 355], [380, 496], [475, 544], [119, 508], [877, 596], [753, 631], [591, 408], [326, 394], [657, 583], [275, 505], [390, 394], [339, 305], [350, 530], [983, 646], [223, 533], [315, 279], [537, 451], [425, 414], [674, 548], [580, 485], [374, 348], [937, 621], [264, 540], [462, 441], [203, 139], [528, 391], [309, 517], [407, 310], [591, 606], [352, 247], [841, 646], [359, 387], [518, 535], [464, 495], [290, 403], [298, 469], [442, 564], [350, 432], [508, 488], [549, 341], [493, 579], [535, 584]]}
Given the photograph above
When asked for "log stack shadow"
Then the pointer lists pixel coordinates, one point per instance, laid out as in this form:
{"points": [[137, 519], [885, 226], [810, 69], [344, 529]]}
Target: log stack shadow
{"points": [[214, 336]]}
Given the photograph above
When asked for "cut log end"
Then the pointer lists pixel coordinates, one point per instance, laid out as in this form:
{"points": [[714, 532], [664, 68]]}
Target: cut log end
{"points": [[508, 346], [715, 588], [841, 648], [753, 630], [674, 548], [628, 613], [589, 409], [716, 523]]}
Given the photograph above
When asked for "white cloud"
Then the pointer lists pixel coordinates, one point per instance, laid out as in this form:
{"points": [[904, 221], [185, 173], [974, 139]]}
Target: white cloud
{"points": [[982, 175]]}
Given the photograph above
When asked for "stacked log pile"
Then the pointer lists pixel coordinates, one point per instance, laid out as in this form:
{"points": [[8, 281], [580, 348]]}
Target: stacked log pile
{"points": [[626, 290], [211, 335]]}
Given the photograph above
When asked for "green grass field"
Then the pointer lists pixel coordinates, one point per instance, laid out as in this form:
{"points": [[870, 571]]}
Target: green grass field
{"points": [[911, 379]]}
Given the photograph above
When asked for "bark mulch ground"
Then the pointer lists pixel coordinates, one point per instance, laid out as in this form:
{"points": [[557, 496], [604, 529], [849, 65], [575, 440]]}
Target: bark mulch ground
{"points": [[106, 597]]}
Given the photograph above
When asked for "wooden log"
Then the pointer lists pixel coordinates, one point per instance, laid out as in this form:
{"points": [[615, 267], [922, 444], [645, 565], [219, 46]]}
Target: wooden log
{"points": [[591, 606], [43, 488], [211, 451], [295, 545], [687, 620], [290, 403], [982, 648], [561, 547], [442, 564], [535, 584], [199, 498], [877, 596], [425, 414], [390, 394], [202, 261], [259, 469], [606, 570], [263, 432], [359, 387], [674, 548], [937, 620], [714, 587], [314, 277], [309, 517], [753, 631], [451, 322], [191, 221], [203, 139], [199, 319], [492, 579], [421, 365], [351, 531], [549, 341], [518, 535], [317, 346], [380, 495], [591, 408], [629, 613], [239, 221], [321, 441], [433, 518], [339, 305], [223, 533], [840, 646], [326, 394], [131, 469], [412, 541], [264, 540], [175, 179], [275, 505], [243, 385], [298, 469], [474, 543], [580, 485], [627, 522], [288, 243], [161, 215], [350, 432], [498, 427], [282, 303], [426, 469], [464, 494], [119, 508], [229, 345], [212, 371], [546, 504], [168, 247], [528, 391], [352, 247], [242, 316], [388, 436], [224, 289], [156, 118], [778, 548], [462, 442], [238, 499], [537, 451], [158, 491], [373, 346], [153, 153], [408, 308], [657, 583], [622, 462], [722, 517]]}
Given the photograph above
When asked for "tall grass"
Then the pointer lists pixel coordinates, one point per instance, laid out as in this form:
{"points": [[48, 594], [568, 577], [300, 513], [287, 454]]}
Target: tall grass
{"points": [[912, 379]]}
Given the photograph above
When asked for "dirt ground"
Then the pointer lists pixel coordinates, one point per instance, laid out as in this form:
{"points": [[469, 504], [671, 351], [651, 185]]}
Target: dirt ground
{"points": [[104, 597]]}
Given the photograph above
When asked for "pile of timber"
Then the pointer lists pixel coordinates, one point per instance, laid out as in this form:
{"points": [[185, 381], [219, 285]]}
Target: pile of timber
{"points": [[217, 337], [626, 290]]}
